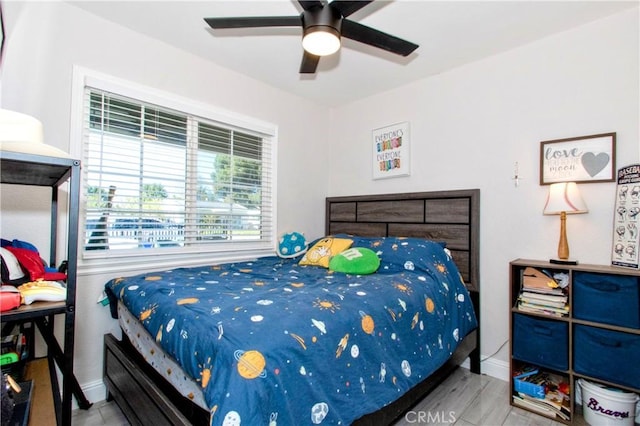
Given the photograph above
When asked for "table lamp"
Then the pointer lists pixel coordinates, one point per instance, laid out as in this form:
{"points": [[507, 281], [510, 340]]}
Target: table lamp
{"points": [[563, 199], [23, 134]]}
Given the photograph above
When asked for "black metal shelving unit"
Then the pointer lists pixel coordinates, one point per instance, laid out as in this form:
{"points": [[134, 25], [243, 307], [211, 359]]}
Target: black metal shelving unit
{"points": [[52, 172]]}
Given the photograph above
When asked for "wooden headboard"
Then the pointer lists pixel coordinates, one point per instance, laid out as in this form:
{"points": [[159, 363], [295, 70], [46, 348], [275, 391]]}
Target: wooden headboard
{"points": [[449, 216]]}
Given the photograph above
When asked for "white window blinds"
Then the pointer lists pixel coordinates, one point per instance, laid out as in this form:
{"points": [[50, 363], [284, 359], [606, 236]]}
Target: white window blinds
{"points": [[160, 179]]}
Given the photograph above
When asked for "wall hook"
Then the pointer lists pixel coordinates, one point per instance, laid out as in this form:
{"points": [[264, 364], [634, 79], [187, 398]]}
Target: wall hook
{"points": [[516, 175]]}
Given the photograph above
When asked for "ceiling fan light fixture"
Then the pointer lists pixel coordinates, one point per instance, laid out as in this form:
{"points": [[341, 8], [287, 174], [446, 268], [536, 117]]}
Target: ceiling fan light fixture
{"points": [[321, 40], [323, 24]]}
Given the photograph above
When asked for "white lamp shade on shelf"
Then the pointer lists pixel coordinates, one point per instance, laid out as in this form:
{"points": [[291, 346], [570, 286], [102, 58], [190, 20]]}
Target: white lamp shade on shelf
{"points": [[564, 197], [23, 134]]}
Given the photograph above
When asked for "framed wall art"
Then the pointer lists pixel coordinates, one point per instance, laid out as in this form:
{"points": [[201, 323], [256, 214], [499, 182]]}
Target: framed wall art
{"points": [[585, 159], [391, 156]]}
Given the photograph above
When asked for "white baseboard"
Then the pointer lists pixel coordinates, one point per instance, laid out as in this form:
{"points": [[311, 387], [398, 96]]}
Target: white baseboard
{"points": [[496, 368], [492, 367], [94, 392]]}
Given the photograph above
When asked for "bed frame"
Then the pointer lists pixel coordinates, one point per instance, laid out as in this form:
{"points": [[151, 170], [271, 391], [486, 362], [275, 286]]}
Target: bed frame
{"points": [[449, 216]]}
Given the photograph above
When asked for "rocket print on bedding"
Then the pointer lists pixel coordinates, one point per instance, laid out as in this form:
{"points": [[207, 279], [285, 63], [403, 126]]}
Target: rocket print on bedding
{"points": [[272, 342]]}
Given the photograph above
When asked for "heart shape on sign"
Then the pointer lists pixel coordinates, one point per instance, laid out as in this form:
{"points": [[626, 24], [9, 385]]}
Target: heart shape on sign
{"points": [[593, 163]]}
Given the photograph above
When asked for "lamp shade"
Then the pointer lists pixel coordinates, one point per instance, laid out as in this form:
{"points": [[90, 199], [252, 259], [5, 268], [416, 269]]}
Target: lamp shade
{"points": [[564, 197], [23, 134]]}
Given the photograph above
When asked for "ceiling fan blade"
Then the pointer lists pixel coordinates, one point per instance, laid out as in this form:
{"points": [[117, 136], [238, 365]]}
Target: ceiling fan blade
{"points": [[254, 21], [310, 4], [373, 37], [309, 63], [348, 7]]}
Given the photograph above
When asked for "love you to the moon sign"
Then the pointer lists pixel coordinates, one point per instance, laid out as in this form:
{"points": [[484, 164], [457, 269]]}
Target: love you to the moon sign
{"points": [[582, 159]]}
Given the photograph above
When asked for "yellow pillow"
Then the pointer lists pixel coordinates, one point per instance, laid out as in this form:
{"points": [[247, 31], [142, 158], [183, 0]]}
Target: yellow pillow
{"points": [[325, 249]]}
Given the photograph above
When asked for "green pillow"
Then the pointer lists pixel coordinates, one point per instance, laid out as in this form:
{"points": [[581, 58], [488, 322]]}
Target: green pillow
{"points": [[356, 260]]}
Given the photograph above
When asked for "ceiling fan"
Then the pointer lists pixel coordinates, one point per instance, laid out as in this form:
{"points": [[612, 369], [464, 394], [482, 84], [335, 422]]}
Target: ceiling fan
{"points": [[323, 24]]}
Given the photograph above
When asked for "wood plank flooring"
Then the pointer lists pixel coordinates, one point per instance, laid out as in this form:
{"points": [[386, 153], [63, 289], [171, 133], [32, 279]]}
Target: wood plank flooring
{"points": [[467, 399], [464, 399]]}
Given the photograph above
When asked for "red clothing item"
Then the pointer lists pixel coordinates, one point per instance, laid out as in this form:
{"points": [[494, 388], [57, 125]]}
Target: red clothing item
{"points": [[32, 264]]}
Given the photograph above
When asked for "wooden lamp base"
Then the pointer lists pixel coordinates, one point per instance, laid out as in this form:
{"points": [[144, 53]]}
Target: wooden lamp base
{"points": [[563, 244]]}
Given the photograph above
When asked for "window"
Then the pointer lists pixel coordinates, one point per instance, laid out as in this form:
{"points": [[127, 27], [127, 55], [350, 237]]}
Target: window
{"points": [[157, 179]]}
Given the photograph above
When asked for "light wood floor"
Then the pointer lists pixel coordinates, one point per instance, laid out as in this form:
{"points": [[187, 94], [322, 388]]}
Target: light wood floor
{"points": [[464, 399]]}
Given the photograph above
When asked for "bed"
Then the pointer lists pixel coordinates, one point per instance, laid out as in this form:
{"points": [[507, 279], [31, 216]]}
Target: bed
{"points": [[299, 344]]}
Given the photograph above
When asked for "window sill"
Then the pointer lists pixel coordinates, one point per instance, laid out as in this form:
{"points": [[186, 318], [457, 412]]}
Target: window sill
{"points": [[127, 264]]}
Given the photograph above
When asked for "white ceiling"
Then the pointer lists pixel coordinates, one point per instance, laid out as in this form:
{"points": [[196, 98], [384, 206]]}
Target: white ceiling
{"points": [[450, 34]]}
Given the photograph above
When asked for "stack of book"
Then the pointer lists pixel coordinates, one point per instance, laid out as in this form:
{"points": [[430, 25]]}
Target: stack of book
{"points": [[542, 294], [542, 392]]}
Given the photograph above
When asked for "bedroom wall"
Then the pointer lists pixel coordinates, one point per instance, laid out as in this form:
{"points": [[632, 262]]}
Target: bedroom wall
{"points": [[471, 125], [46, 39], [468, 128]]}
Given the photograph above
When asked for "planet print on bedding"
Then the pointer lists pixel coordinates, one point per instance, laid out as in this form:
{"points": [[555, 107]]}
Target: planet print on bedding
{"points": [[284, 324]]}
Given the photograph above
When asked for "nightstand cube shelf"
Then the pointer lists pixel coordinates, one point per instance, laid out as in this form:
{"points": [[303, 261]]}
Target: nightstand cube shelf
{"points": [[585, 324]]}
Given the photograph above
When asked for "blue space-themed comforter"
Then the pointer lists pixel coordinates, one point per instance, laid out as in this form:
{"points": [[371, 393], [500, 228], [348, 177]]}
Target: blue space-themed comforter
{"points": [[272, 342]]}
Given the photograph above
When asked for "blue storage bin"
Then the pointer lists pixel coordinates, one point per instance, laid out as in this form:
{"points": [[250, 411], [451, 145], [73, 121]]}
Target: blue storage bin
{"points": [[540, 341], [607, 355], [605, 298]]}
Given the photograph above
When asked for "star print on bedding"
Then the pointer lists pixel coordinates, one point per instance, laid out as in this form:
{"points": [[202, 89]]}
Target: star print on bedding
{"points": [[270, 339]]}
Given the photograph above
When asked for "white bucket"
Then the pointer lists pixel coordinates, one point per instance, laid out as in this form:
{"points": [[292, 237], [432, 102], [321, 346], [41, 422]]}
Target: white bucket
{"points": [[607, 406]]}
